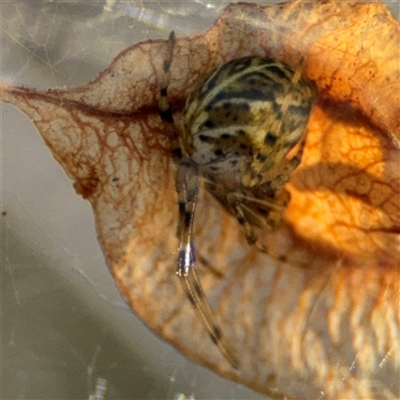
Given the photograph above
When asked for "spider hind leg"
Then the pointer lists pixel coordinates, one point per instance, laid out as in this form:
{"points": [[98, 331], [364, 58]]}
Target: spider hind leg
{"points": [[163, 106], [242, 211]]}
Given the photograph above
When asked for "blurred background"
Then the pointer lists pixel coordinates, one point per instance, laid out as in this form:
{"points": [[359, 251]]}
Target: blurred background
{"points": [[64, 326]]}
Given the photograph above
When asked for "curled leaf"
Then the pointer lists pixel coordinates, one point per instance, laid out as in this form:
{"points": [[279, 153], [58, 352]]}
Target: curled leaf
{"points": [[330, 328]]}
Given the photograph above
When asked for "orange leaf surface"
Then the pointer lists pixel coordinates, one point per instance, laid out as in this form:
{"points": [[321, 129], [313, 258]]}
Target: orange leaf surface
{"points": [[328, 330]]}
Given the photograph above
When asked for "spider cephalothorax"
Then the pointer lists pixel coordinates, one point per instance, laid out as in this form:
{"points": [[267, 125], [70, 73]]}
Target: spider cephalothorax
{"points": [[243, 129]]}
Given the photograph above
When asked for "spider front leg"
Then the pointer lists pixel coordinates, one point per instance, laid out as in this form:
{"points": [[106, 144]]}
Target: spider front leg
{"points": [[187, 187]]}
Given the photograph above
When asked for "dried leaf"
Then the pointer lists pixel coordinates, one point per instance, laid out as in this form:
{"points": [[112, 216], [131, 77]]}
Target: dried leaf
{"points": [[330, 330]]}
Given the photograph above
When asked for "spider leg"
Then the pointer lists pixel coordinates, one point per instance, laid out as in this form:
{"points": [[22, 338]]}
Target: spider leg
{"points": [[238, 209], [206, 264], [197, 297], [266, 204], [163, 105], [187, 186], [285, 167]]}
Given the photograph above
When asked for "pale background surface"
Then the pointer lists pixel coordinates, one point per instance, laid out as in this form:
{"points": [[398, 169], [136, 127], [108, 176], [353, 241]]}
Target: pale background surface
{"points": [[64, 323]]}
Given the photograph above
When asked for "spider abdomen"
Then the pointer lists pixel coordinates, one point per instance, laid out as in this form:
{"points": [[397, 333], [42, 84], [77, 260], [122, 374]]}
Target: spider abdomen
{"points": [[246, 115]]}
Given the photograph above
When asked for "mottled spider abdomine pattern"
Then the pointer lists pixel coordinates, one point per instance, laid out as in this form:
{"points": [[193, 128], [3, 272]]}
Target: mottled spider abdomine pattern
{"points": [[229, 118], [243, 130], [239, 124]]}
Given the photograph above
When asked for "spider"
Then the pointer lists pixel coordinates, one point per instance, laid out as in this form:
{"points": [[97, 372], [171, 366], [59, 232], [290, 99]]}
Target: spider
{"points": [[243, 130]]}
